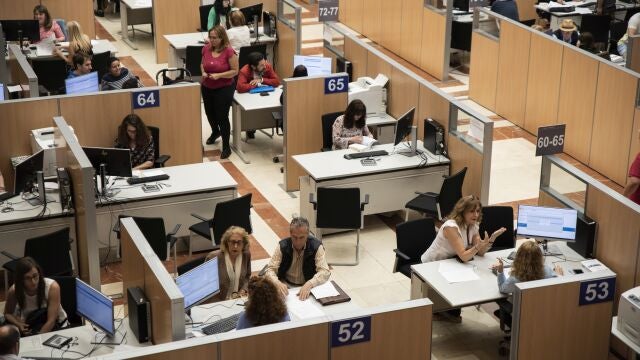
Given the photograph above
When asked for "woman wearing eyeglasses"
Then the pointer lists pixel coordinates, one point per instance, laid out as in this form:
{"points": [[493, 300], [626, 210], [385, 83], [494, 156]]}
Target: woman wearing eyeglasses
{"points": [[234, 263]]}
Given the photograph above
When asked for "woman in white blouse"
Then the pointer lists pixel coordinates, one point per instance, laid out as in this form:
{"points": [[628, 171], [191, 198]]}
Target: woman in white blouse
{"points": [[239, 33]]}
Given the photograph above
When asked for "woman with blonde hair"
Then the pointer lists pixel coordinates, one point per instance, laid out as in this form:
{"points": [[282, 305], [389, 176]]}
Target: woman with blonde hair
{"points": [[78, 42], [234, 263], [265, 305], [239, 33], [528, 265]]}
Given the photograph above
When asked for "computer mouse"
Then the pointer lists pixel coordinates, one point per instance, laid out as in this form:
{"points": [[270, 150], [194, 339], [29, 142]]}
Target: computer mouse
{"points": [[264, 94]]}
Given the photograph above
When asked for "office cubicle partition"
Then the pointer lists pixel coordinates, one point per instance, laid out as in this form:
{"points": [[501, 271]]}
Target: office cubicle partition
{"points": [[289, 25], [633, 53], [21, 72], [80, 11], [173, 17]]}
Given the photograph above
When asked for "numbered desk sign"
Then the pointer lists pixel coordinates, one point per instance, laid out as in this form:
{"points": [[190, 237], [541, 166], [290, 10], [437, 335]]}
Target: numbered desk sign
{"points": [[336, 84], [597, 291], [350, 331], [328, 10], [550, 140], [145, 99]]}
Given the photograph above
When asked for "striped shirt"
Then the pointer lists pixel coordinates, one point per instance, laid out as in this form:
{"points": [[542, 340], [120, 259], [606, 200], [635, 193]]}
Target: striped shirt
{"points": [[110, 82]]}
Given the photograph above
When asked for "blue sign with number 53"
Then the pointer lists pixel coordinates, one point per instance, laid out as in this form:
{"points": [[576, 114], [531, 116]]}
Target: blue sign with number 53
{"points": [[145, 99], [336, 84], [350, 331], [597, 291]]}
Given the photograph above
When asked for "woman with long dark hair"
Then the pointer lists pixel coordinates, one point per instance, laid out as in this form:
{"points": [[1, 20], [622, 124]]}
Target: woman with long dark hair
{"points": [[265, 305], [351, 127], [48, 27], [218, 15], [134, 135]]}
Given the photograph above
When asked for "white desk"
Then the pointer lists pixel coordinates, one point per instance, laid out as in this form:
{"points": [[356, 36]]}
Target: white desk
{"points": [[576, 16], [622, 337], [98, 46], [427, 281], [134, 12], [193, 188], [252, 112], [390, 184]]}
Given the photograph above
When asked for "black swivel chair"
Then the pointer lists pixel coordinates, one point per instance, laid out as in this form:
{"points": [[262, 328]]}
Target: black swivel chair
{"points": [[243, 58], [327, 128], [193, 59], [68, 298], [160, 160], [495, 217], [340, 208], [413, 238], [204, 16], [100, 63], [51, 73], [439, 205], [191, 265], [617, 30], [597, 25], [235, 212]]}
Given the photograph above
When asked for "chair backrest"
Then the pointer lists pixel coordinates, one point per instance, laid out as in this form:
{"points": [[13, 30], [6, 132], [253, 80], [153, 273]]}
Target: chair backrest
{"points": [[413, 238], [629, 14], [63, 27], [100, 63], [243, 58], [51, 73], [597, 25], [204, 16], [451, 192], [51, 251], [235, 212], [155, 133], [153, 230], [190, 265], [327, 125], [495, 217], [68, 298], [193, 59], [339, 208]]}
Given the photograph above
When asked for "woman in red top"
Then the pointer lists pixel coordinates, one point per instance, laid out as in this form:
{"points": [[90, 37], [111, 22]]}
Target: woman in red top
{"points": [[219, 66]]}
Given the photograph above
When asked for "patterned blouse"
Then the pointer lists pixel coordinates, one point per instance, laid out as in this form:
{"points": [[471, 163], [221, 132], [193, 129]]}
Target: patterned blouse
{"points": [[341, 134], [140, 155]]}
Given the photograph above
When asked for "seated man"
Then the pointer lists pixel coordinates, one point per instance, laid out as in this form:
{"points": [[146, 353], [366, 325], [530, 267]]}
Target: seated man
{"points": [[298, 260], [258, 72], [9, 342], [81, 65]]}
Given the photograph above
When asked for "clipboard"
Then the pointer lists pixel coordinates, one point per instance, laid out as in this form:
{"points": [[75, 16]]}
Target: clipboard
{"points": [[342, 297]]}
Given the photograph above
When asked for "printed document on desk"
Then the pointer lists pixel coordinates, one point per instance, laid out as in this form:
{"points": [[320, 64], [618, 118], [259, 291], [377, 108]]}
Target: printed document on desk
{"points": [[325, 290], [456, 272], [302, 309], [147, 173]]}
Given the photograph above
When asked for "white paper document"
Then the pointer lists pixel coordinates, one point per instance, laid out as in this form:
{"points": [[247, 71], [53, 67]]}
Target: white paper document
{"points": [[45, 47], [30, 344], [325, 290], [456, 272], [151, 172], [302, 309]]}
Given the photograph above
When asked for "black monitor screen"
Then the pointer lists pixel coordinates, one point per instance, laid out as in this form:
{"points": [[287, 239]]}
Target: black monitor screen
{"points": [[403, 126], [250, 12], [29, 27], [117, 161], [462, 5], [95, 307], [26, 172]]}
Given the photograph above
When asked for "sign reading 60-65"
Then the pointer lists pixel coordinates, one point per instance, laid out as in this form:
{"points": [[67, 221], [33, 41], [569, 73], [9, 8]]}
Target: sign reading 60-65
{"points": [[145, 99], [550, 140]]}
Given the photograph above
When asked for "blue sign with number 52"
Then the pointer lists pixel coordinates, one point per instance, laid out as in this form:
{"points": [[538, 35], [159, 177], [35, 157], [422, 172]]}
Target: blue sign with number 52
{"points": [[597, 291], [336, 84], [145, 99], [350, 331]]}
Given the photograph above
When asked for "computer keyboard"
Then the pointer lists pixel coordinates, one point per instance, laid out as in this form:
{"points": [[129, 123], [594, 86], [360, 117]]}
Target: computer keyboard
{"points": [[222, 325], [146, 179], [365, 154]]}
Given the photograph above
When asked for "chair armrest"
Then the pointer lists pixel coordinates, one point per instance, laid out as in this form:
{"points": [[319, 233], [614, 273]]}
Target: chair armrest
{"points": [[402, 255], [9, 255], [199, 217], [365, 202], [161, 160], [175, 230], [311, 200]]}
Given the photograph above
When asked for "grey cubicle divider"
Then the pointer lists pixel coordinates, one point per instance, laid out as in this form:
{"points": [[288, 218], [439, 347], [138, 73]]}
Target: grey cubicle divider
{"points": [[4, 70], [25, 70]]}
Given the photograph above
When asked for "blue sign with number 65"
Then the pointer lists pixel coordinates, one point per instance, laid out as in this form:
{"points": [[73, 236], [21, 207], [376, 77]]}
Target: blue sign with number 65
{"points": [[350, 331], [145, 99], [336, 84], [597, 291]]}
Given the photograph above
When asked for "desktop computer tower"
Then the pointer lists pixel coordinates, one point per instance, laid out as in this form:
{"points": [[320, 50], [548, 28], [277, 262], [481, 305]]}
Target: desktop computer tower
{"points": [[434, 137], [64, 188], [585, 237], [139, 313]]}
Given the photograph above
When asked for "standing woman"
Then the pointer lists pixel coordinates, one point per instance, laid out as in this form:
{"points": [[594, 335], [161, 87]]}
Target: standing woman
{"points": [[218, 14], [134, 135], [78, 42], [234, 263], [48, 27], [351, 127], [219, 66]]}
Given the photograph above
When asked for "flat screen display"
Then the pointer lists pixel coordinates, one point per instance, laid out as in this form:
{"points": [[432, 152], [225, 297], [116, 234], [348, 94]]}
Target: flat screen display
{"points": [[316, 65], [94, 306], [200, 283], [82, 84], [547, 223]]}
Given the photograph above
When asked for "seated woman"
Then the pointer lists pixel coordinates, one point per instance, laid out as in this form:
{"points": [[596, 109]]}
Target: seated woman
{"points": [[116, 76], [265, 305], [33, 301], [48, 27], [351, 127], [460, 236], [586, 42], [234, 263], [134, 135], [218, 14], [78, 43], [239, 33], [567, 32]]}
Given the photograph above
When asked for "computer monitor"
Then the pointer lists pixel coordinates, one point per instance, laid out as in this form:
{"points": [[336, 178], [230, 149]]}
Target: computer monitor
{"points": [[1, 92], [97, 308], [27, 28], [547, 223], [316, 65], [199, 284], [252, 14], [26, 172], [117, 161], [83, 83]]}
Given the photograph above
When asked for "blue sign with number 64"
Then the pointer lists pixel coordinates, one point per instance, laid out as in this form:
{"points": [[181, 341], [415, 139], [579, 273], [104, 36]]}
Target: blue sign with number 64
{"points": [[145, 99], [350, 331], [336, 84], [597, 291]]}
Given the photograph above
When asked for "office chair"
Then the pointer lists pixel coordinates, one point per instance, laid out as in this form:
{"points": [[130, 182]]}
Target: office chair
{"points": [[100, 63], [327, 129], [495, 217], [51, 251], [439, 205], [597, 25], [413, 238], [160, 160], [68, 298], [617, 30], [51, 72], [193, 59], [204, 16], [243, 58], [340, 208], [191, 265], [63, 27], [234, 212]]}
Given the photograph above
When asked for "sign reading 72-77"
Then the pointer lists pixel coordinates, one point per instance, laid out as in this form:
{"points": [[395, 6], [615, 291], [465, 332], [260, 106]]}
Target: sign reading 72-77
{"points": [[328, 10]]}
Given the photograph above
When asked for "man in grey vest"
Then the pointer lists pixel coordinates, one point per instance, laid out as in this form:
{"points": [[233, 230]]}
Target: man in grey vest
{"points": [[298, 261]]}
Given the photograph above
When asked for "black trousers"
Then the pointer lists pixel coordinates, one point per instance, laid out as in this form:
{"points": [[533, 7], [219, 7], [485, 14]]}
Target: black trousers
{"points": [[217, 103]]}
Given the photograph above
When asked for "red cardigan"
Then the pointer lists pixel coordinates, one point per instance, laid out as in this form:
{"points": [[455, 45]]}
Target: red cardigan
{"points": [[245, 75]]}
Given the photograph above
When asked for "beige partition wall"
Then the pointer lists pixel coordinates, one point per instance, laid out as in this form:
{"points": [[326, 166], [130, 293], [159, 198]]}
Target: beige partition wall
{"points": [[287, 39], [173, 17], [372, 20], [357, 55], [267, 5], [304, 105], [483, 72], [434, 106], [526, 10], [434, 43], [78, 10], [462, 155], [16, 10]]}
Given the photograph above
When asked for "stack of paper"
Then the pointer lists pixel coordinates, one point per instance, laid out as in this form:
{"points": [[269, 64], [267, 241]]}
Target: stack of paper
{"points": [[455, 272], [302, 309], [325, 290]]}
